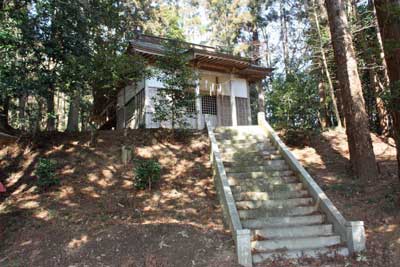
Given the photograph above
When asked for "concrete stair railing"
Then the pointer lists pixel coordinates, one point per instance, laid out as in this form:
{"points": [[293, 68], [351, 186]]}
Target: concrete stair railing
{"points": [[269, 201]]}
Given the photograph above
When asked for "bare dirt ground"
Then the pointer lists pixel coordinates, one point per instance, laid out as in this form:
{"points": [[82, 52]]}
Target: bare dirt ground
{"points": [[376, 203], [97, 218]]}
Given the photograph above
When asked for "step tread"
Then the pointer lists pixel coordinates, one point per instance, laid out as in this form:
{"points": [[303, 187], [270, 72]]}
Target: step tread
{"points": [[271, 187], [251, 162], [266, 169], [262, 181], [296, 243], [271, 195], [307, 252], [247, 141], [275, 203], [263, 213], [294, 231], [280, 221], [252, 159]]}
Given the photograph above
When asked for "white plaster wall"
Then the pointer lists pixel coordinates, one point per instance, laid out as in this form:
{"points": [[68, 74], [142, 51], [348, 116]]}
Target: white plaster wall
{"points": [[149, 106], [240, 88], [154, 82], [207, 85], [152, 85]]}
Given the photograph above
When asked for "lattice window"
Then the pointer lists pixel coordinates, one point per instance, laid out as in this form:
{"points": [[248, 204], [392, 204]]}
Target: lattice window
{"points": [[226, 111], [209, 105], [242, 111]]}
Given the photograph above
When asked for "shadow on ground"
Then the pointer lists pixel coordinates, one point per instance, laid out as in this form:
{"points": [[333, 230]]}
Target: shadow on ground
{"points": [[96, 217]]}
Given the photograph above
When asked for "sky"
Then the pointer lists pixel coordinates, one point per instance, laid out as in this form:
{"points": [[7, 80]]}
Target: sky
{"points": [[200, 35]]}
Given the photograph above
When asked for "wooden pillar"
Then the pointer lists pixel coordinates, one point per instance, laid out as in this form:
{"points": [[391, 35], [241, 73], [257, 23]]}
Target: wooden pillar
{"points": [[248, 103], [261, 96], [233, 102], [219, 109], [199, 114]]}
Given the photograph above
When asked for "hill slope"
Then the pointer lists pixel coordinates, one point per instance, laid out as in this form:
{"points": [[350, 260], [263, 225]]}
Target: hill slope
{"points": [[376, 203], [97, 218]]}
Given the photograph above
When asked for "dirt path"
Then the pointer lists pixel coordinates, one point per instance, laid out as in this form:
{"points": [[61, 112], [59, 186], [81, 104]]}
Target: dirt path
{"points": [[97, 218]]}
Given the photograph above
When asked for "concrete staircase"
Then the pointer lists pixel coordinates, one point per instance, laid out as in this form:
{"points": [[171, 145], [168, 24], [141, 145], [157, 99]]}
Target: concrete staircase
{"points": [[271, 201]]}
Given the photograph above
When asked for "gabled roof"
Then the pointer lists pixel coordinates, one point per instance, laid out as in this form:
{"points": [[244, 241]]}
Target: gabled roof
{"points": [[201, 56]]}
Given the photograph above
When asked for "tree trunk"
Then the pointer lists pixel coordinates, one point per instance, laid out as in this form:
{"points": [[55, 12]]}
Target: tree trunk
{"points": [[37, 119], [284, 37], [380, 43], [323, 114], [4, 108], [73, 115], [21, 111], [362, 156], [383, 81], [326, 69], [381, 111], [375, 87], [257, 60], [51, 122], [389, 25]]}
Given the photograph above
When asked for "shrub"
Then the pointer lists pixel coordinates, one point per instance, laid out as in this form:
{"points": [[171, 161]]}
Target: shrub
{"points": [[146, 173], [45, 172]]}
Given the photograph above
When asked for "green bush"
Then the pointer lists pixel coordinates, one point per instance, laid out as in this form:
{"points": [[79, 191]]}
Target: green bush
{"points": [[45, 172], [146, 173]]}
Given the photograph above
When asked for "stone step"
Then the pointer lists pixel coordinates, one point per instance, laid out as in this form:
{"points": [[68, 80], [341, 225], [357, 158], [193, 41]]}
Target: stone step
{"points": [[261, 181], [280, 165], [248, 162], [246, 148], [266, 213], [295, 254], [242, 141], [283, 221], [275, 204], [271, 187], [230, 160], [251, 129], [296, 243], [294, 232], [249, 156], [262, 149], [270, 195], [258, 174]]}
